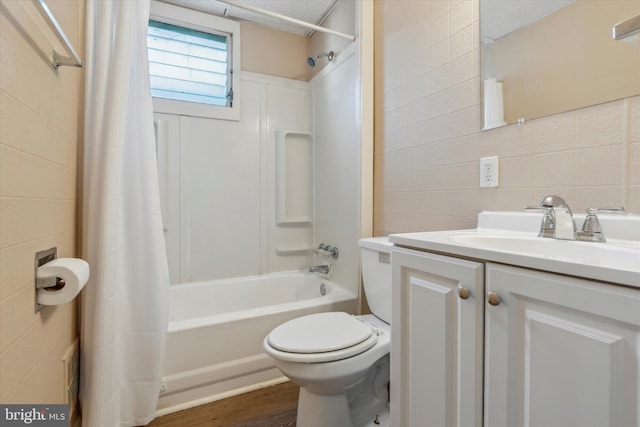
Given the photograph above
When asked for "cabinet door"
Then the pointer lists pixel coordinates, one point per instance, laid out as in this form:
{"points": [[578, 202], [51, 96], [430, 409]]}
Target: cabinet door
{"points": [[436, 341], [560, 351]]}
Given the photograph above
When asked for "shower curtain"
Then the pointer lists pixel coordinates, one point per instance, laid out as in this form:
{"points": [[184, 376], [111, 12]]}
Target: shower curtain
{"points": [[124, 313]]}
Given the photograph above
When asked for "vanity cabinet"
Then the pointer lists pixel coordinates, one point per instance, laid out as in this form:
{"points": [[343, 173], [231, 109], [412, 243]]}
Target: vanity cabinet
{"points": [[560, 351], [436, 340], [525, 348]]}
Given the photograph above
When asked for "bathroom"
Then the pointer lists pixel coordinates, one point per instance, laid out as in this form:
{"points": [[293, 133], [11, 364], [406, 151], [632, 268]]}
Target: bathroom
{"points": [[427, 142]]}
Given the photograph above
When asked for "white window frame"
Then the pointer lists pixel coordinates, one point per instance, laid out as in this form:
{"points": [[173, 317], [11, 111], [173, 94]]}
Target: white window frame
{"points": [[207, 23]]}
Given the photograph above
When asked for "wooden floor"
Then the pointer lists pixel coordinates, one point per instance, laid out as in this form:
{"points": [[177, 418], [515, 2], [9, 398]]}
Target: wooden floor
{"points": [[268, 407]]}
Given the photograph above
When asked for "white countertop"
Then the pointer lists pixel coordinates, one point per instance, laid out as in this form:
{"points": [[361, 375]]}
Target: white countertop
{"points": [[511, 238]]}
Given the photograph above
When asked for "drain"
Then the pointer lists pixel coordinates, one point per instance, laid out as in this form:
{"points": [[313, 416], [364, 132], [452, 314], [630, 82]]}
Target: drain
{"points": [[323, 289]]}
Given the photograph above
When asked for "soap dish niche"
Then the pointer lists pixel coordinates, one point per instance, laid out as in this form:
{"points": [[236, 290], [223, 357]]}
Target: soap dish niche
{"points": [[294, 177]]}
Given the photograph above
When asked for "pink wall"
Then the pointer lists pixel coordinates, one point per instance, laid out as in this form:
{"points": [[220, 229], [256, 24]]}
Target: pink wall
{"points": [[428, 141]]}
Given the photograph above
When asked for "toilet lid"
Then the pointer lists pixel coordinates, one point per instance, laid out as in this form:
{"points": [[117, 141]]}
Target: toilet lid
{"points": [[319, 333]]}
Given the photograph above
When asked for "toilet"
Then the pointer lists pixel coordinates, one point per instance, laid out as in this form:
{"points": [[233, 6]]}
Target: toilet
{"points": [[341, 361]]}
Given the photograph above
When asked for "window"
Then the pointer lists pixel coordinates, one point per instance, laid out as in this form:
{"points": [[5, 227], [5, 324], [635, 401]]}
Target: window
{"points": [[189, 65], [192, 56]]}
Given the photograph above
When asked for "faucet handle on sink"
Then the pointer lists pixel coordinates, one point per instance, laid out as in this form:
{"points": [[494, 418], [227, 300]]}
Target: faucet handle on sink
{"points": [[618, 210], [591, 228]]}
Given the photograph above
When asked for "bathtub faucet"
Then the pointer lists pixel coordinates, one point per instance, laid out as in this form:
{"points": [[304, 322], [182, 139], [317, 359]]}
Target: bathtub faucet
{"points": [[322, 269]]}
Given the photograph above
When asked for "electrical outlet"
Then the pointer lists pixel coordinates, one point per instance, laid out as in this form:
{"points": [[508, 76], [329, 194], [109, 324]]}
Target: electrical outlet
{"points": [[489, 171]]}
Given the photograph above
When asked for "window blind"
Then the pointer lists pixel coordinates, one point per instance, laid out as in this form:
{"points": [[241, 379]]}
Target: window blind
{"points": [[189, 65]]}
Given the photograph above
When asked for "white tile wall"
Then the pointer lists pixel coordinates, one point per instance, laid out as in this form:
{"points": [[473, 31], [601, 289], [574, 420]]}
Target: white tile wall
{"points": [[428, 140]]}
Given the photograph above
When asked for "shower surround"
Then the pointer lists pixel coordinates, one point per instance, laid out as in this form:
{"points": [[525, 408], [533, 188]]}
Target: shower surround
{"points": [[244, 203]]}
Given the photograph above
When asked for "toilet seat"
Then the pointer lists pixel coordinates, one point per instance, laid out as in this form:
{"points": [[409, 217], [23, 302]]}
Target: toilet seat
{"points": [[321, 337]]}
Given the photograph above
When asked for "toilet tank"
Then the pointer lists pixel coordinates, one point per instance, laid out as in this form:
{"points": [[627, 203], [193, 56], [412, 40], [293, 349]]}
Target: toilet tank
{"points": [[375, 258]]}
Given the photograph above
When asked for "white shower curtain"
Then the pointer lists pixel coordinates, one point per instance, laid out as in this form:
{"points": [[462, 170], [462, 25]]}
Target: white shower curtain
{"points": [[124, 311]]}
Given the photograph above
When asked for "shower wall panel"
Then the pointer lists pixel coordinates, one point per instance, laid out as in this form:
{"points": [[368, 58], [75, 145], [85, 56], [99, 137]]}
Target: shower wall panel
{"points": [[337, 129], [288, 111], [220, 192]]}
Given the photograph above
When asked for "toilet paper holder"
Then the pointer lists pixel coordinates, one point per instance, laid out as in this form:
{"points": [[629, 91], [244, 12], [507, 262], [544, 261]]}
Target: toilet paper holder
{"points": [[58, 280], [52, 283]]}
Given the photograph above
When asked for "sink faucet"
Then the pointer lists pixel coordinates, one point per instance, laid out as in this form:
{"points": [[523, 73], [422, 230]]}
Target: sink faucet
{"points": [[322, 269], [558, 219]]}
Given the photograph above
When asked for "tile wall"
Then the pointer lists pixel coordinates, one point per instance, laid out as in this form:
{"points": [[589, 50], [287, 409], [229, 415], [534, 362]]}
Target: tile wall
{"points": [[40, 110], [428, 140]]}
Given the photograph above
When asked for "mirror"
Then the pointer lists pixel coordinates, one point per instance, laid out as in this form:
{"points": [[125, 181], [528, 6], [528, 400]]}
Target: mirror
{"points": [[543, 57]]}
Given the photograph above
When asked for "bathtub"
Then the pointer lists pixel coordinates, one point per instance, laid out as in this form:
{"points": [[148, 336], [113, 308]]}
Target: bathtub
{"points": [[216, 329]]}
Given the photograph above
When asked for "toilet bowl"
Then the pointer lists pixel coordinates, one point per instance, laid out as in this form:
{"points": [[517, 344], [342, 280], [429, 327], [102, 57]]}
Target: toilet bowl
{"points": [[341, 361]]}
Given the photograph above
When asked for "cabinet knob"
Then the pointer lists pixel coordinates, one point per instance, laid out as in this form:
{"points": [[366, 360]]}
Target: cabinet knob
{"points": [[463, 292], [493, 298]]}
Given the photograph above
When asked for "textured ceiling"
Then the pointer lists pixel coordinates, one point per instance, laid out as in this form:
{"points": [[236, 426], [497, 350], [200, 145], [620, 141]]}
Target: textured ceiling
{"points": [[498, 17], [312, 11], [501, 17]]}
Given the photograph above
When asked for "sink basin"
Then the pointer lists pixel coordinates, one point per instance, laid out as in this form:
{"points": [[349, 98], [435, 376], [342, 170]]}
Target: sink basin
{"points": [[512, 238], [608, 254]]}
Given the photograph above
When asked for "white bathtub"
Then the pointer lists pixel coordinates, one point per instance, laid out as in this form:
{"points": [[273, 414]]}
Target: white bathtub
{"points": [[214, 343]]}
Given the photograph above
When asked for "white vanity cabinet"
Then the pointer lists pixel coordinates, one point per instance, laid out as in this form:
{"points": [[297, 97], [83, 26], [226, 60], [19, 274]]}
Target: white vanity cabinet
{"points": [[560, 351], [436, 340]]}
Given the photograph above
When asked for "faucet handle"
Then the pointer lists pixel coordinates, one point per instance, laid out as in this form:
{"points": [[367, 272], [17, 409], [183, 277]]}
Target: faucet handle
{"points": [[327, 250], [591, 228], [617, 210], [537, 208]]}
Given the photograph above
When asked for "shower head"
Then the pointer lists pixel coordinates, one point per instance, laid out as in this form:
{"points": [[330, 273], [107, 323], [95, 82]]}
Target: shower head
{"points": [[311, 61]]}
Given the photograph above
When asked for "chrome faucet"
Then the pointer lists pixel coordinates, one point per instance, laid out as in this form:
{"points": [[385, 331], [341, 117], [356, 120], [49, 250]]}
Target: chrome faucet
{"points": [[557, 221], [327, 250], [322, 269]]}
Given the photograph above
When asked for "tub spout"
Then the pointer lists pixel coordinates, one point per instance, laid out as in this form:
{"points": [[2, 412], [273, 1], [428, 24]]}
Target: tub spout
{"points": [[322, 269]]}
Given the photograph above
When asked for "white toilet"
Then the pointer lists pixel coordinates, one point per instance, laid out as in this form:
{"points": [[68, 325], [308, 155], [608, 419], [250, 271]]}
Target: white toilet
{"points": [[340, 361]]}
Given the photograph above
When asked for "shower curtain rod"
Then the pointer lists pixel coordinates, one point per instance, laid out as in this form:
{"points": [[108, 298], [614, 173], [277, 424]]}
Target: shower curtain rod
{"points": [[287, 18]]}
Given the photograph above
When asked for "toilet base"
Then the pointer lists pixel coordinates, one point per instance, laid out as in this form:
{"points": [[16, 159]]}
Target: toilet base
{"points": [[333, 410], [358, 406], [322, 410]]}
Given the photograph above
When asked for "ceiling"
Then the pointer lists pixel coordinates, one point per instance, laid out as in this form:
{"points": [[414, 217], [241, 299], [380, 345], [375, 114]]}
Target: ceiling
{"points": [[501, 17], [311, 11], [498, 17]]}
